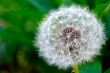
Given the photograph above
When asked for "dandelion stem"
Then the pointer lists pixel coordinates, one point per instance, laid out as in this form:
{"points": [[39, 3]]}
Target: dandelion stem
{"points": [[75, 69]]}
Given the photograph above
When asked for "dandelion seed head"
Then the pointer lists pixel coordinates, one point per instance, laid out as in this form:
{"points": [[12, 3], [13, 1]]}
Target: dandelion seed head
{"points": [[70, 35]]}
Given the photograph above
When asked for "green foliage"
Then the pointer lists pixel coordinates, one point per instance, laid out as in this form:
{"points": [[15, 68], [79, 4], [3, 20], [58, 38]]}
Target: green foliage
{"points": [[108, 71], [19, 20], [93, 67]]}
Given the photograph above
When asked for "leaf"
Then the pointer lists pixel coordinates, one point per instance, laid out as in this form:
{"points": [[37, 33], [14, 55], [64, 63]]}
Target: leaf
{"points": [[93, 67], [107, 71], [103, 12], [44, 5], [101, 9], [108, 24]]}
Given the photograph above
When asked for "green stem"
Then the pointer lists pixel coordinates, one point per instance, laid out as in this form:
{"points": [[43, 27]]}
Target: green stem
{"points": [[75, 69]]}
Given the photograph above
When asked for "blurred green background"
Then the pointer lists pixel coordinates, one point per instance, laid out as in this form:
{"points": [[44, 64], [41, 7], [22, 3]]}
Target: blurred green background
{"points": [[19, 20]]}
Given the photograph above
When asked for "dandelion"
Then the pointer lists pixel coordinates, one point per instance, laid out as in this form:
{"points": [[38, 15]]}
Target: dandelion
{"points": [[69, 36]]}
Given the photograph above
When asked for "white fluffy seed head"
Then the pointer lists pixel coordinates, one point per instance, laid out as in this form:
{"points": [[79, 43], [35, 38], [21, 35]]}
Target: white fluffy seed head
{"points": [[70, 35]]}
